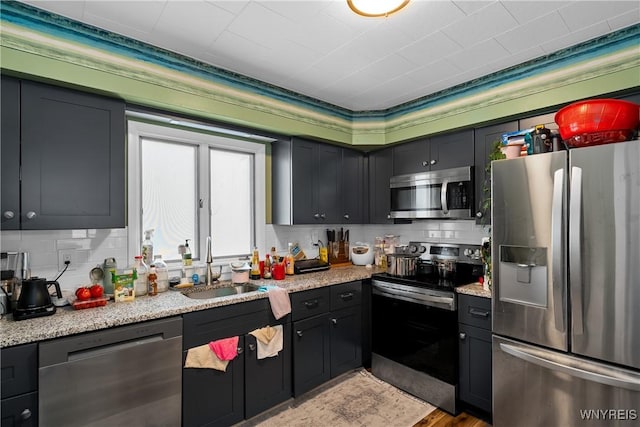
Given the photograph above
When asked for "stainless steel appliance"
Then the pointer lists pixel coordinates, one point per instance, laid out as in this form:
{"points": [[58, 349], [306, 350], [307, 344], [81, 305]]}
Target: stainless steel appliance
{"points": [[414, 327], [126, 376], [446, 193], [566, 276]]}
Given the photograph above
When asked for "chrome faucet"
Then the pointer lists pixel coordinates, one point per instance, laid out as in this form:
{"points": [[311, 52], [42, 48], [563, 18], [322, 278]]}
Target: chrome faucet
{"points": [[209, 278]]}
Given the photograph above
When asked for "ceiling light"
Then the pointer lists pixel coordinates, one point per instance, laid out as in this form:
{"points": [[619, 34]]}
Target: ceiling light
{"points": [[376, 8]]}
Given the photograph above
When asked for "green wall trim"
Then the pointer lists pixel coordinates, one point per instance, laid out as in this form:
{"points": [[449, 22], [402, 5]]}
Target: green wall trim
{"points": [[45, 46]]}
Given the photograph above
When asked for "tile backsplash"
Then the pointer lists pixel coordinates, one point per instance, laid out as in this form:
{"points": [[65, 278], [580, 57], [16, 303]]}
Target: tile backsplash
{"points": [[89, 248]]}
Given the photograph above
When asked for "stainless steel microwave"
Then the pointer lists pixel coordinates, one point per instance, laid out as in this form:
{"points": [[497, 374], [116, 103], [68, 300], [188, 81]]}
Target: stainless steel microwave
{"points": [[446, 193]]}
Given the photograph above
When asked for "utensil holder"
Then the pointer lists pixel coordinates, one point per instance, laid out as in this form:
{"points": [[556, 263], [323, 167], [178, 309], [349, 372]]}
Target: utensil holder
{"points": [[338, 252]]}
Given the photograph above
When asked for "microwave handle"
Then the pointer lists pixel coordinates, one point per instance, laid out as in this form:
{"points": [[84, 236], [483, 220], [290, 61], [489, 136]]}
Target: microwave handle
{"points": [[443, 197]]}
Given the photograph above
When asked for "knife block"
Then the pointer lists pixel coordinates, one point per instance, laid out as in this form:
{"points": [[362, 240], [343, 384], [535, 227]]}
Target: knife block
{"points": [[338, 252]]}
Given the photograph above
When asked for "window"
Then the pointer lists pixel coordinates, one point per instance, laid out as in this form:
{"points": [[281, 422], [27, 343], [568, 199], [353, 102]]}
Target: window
{"points": [[185, 184]]}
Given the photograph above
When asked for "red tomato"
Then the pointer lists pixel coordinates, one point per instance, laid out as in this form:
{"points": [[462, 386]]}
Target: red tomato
{"points": [[96, 291], [83, 293]]}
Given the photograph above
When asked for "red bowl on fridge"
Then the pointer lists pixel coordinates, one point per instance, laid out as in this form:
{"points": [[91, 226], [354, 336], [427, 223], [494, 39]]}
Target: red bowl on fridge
{"points": [[598, 121]]}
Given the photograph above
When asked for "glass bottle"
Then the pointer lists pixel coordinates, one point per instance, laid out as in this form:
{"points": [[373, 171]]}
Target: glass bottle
{"points": [[255, 265], [290, 261], [152, 278], [186, 256], [163, 273], [274, 255], [140, 285], [267, 267]]}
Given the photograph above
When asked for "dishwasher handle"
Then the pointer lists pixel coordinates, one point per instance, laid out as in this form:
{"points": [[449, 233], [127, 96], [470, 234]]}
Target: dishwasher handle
{"points": [[93, 344]]}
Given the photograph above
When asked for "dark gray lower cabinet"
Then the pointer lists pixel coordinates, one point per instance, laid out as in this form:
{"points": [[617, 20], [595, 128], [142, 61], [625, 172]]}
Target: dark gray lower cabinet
{"points": [[474, 327], [19, 386], [248, 386], [327, 339]]}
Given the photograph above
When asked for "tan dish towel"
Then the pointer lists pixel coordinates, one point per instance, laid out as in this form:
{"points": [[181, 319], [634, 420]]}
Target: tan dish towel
{"points": [[269, 340], [203, 357], [280, 302]]}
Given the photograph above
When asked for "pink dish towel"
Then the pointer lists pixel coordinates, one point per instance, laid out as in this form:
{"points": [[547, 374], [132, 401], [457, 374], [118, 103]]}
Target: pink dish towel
{"points": [[226, 348], [280, 302]]}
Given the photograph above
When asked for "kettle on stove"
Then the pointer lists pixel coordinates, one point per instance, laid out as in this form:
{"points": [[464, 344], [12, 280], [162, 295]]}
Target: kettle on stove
{"points": [[34, 299]]}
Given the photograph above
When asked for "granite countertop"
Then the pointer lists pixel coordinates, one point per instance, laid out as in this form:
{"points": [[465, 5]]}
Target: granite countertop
{"points": [[474, 289], [67, 321]]}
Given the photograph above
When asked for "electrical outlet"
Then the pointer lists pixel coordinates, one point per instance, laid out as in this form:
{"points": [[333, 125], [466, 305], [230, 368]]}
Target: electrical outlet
{"points": [[67, 255]]}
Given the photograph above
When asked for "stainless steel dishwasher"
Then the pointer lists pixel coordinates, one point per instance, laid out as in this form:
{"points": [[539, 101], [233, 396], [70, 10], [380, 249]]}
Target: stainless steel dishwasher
{"points": [[124, 376]]}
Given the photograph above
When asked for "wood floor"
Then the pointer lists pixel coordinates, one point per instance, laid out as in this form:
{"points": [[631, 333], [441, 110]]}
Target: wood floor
{"points": [[440, 418]]}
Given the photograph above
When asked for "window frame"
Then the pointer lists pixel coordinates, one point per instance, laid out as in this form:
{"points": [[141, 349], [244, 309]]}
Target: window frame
{"points": [[204, 140]]}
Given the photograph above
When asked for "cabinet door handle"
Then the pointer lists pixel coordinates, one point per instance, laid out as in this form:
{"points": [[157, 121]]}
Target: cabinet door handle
{"points": [[425, 163], [299, 333], [433, 162], [240, 350], [252, 347], [334, 321], [323, 216], [316, 216], [388, 216], [474, 312], [31, 215], [478, 214], [26, 414], [346, 296], [463, 335], [311, 304], [346, 216], [8, 214]]}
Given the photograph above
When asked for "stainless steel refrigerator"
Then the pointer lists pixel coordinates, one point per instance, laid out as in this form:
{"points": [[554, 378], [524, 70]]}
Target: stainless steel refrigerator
{"points": [[566, 298]]}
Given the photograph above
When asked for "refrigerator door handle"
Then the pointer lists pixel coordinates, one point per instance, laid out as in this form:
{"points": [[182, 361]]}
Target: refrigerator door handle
{"points": [[575, 248], [575, 367], [557, 250], [443, 198]]}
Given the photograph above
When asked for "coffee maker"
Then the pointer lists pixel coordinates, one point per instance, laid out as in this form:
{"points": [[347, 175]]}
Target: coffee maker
{"points": [[24, 296], [14, 268]]}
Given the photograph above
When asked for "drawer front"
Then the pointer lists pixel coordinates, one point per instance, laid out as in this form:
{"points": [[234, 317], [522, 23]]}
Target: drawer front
{"points": [[346, 295], [20, 411], [309, 303], [474, 311], [19, 369]]}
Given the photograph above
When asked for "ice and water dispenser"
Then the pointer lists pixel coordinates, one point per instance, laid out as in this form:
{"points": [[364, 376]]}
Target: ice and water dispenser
{"points": [[523, 275]]}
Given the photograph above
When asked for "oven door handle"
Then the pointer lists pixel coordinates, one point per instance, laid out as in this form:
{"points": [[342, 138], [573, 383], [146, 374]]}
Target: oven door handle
{"points": [[418, 298]]}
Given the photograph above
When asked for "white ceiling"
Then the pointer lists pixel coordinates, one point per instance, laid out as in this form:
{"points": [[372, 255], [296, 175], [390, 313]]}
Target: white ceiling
{"points": [[323, 50]]}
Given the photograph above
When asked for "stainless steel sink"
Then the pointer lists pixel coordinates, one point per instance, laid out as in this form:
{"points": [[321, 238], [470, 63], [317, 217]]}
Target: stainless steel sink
{"points": [[223, 291]]}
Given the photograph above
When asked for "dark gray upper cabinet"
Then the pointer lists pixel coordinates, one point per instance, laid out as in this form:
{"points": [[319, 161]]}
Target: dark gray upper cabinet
{"points": [[73, 159], [10, 155], [436, 153], [69, 149], [484, 140], [315, 183], [353, 194], [380, 172]]}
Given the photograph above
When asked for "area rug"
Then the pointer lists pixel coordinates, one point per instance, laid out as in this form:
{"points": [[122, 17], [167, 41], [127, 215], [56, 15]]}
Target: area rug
{"points": [[357, 399]]}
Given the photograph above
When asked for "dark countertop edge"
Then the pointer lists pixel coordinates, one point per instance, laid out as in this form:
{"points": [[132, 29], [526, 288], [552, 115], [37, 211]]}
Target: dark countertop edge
{"points": [[67, 322]]}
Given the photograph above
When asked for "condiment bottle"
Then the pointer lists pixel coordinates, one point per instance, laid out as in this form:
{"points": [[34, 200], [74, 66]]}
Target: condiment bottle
{"points": [[152, 277], [186, 255], [255, 265], [274, 255], [267, 267], [290, 261], [163, 273], [140, 285]]}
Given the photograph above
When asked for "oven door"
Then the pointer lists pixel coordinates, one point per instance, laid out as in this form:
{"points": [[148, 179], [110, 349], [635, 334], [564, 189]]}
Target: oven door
{"points": [[416, 335]]}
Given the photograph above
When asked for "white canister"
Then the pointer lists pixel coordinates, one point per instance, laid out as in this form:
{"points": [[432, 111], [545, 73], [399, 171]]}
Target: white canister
{"points": [[240, 272], [361, 254]]}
